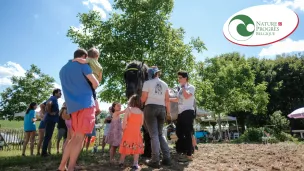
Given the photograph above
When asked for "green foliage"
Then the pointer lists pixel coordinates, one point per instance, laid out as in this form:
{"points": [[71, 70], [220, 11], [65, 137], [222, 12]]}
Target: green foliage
{"points": [[140, 31], [252, 135], [228, 86], [33, 87], [285, 76], [279, 121], [282, 137]]}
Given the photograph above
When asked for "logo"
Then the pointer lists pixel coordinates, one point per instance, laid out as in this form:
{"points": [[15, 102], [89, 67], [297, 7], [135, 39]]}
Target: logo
{"points": [[270, 24]]}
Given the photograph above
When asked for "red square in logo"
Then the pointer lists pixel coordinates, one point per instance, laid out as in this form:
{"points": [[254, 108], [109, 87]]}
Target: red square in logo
{"points": [[280, 23]]}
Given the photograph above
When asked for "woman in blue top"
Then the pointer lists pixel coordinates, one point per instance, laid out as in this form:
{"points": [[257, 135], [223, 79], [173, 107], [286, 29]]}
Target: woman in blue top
{"points": [[29, 127]]}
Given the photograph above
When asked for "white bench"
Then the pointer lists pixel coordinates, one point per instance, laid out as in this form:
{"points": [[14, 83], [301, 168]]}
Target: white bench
{"points": [[299, 131]]}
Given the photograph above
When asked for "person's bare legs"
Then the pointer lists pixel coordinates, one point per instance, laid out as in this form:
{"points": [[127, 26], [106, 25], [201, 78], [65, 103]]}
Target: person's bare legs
{"points": [[112, 153], [135, 160], [57, 145], [26, 140], [88, 143], [103, 144], [32, 138], [122, 158], [97, 111], [69, 136], [41, 136], [72, 151]]}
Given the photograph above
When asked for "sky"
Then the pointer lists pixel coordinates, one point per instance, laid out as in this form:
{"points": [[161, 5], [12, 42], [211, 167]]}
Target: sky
{"points": [[34, 31]]}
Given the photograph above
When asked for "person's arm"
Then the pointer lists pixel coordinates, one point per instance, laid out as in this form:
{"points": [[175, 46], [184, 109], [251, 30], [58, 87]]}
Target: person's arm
{"points": [[87, 71], [188, 93], [143, 120], [100, 76], [33, 115], [81, 60], [144, 94], [167, 102], [119, 113], [42, 108], [125, 120], [174, 99]]}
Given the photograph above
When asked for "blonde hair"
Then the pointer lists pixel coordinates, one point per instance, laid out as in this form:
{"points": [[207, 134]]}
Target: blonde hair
{"points": [[93, 53]]}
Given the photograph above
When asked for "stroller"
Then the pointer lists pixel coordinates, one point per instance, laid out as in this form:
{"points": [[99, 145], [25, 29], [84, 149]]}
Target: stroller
{"points": [[169, 133]]}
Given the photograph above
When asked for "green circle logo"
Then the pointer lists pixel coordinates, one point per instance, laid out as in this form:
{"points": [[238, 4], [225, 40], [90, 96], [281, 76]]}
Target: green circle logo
{"points": [[241, 27]]}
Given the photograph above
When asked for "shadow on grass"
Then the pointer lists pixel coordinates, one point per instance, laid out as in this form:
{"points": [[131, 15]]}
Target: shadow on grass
{"points": [[87, 160]]}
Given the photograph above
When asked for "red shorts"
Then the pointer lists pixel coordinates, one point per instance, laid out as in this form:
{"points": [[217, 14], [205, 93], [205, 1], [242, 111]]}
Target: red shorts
{"points": [[83, 121]]}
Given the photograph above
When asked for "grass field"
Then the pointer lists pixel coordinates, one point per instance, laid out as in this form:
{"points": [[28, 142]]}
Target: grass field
{"points": [[14, 124]]}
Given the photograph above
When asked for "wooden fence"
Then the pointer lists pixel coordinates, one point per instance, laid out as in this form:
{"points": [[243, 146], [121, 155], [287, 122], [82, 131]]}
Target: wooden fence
{"points": [[12, 139]]}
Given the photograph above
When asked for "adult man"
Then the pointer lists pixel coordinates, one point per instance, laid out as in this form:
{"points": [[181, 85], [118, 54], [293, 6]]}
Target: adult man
{"points": [[80, 104], [155, 95], [184, 125], [50, 119]]}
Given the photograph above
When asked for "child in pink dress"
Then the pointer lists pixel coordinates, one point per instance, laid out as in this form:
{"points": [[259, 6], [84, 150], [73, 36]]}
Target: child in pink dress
{"points": [[115, 132]]}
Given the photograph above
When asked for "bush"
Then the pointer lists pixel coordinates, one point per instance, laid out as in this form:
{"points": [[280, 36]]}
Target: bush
{"points": [[279, 121], [282, 137], [252, 135]]}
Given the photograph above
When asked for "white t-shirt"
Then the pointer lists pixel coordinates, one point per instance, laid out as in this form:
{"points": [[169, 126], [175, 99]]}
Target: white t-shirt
{"points": [[156, 89], [183, 103]]}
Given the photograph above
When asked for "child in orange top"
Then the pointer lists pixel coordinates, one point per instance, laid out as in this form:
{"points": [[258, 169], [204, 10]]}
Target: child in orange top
{"points": [[132, 143]]}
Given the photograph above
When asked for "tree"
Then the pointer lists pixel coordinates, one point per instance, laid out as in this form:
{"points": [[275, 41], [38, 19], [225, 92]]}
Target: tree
{"points": [[285, 76], [228, 86], [140, 31], [279, 122], [33, 87]]}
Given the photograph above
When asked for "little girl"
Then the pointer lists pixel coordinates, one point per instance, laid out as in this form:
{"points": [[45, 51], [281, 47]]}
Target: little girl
{"points": [[67, 119], [115, 132], [132, 143]]}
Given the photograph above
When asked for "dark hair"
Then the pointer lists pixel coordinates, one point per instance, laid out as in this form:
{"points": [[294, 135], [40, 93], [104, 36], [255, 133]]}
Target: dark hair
{"points": [[79, 53], [93, 53], [113, 106], [31, 107], [184, 74], [134, 101], [55, 91]]}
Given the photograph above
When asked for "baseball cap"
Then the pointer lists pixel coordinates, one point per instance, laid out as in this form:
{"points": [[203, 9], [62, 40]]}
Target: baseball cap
{"points": [[152, 71]]}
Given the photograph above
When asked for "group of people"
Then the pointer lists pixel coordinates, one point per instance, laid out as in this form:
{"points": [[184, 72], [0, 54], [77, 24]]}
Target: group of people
{"points": [[46, 126], [79, 79]]}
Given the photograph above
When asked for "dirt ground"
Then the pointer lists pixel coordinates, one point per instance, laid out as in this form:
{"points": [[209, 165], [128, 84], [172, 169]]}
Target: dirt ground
{"points": [[213, 157]]}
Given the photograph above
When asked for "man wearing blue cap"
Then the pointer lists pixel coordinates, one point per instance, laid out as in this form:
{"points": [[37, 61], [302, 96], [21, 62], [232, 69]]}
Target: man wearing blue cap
{"points": [[155, 95]]}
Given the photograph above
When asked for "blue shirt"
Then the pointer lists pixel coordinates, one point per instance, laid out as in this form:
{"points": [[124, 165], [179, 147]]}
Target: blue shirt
{"points": [[29, 125], [77, 91], [55, 108]]}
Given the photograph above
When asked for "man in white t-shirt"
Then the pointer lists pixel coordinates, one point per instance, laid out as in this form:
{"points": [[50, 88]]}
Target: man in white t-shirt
{"points": [[155, 95], [184, 125]]}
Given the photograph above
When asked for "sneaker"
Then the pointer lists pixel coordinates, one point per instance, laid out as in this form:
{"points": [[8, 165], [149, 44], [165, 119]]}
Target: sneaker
{"points": [[182, 158], [153, 164], [135, 167], [121, 165], [166, 162]]}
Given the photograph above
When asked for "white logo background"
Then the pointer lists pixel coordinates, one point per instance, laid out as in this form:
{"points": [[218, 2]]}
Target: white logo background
{"points": [[263, 13]]}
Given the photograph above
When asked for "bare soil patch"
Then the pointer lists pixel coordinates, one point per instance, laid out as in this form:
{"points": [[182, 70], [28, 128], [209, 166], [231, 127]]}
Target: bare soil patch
{"points": [[213, 157]]}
